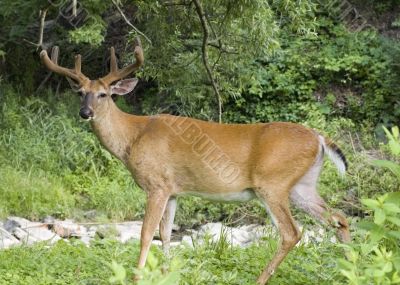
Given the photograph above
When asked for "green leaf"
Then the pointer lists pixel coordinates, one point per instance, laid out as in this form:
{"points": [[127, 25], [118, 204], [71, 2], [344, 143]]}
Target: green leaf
{"points": [[395, 278], [393, 198], [119, 273], [394, 220], [395, 234], [152, 261], [171, 279], [390, 207], [379, 217], [369, 226], [395, 132], [345, 264], [394, 143], [377, 235], [370, 203], [396, 262], [388, 267]]}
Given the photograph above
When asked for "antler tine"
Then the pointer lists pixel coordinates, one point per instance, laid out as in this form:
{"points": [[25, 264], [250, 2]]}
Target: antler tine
{"points": [[54, 54], [133, 67], [53, 66], [115, 73]]}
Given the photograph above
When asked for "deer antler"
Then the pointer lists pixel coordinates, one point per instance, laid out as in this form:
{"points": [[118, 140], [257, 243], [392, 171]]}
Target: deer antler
{"points": [[52, 65], [115, 73]]}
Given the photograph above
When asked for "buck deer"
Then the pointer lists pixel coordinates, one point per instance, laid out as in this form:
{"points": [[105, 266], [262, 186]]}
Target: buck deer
{"points": [[169, 156]]}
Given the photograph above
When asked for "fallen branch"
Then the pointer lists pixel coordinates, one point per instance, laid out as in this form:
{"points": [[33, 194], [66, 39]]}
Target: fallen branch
{"points": [[203, 21], [129, 22]]}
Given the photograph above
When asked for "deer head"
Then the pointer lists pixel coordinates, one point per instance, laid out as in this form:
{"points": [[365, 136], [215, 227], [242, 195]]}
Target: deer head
{"points": [[96, 94]]}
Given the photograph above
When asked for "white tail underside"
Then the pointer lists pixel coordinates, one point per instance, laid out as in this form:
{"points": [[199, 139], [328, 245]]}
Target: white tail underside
{"points": [[333, 156]]}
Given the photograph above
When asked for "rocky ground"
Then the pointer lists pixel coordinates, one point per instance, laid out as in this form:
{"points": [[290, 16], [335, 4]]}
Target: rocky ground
{"points": [[16, 231]]}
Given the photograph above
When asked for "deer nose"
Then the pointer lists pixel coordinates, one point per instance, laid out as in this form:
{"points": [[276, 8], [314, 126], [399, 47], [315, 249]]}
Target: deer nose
{"points": [[86, 113]]}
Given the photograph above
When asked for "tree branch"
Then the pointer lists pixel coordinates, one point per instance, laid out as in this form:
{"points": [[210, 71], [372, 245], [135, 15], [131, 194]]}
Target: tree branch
{"points": [[129, 22], [203, 21], [74, 5], [42, 18], [172, 3]]}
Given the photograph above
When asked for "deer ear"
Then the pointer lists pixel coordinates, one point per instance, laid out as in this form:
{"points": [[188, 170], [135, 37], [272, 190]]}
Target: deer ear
{"points": [[74, 85], [125, 86]]}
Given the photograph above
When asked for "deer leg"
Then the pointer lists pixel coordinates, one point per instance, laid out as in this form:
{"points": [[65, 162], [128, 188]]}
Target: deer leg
{"points": [[156, 203], [289, 234], [166, 224], [306, 197]]}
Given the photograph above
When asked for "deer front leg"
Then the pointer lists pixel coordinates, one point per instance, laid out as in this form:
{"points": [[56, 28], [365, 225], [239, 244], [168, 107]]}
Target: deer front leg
{"points": [[156, 203], [167, 223]]}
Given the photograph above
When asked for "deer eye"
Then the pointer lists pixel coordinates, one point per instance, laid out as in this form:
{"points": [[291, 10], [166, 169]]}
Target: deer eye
{"points": [[102, 95]]}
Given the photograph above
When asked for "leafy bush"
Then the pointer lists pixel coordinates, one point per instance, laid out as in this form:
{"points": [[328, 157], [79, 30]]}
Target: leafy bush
{"points": [[376, 258], [394, 148], [337, 73]]}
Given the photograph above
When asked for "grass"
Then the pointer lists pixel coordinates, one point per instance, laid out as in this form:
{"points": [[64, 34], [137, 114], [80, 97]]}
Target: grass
{"points": [[210, 263]]}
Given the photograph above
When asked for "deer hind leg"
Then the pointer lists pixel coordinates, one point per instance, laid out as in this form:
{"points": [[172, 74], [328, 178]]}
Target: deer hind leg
{"points": [[289, 233], [166, 224], [306, 197]]}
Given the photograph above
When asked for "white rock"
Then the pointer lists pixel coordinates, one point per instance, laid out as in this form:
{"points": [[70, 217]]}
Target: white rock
{"points": [[242, 236], [212, 229], [157, 242], [69, 228], [175, 228], [7, 243], [24, 236], [6, 239], [16, 222], [187, 240], [129, 230], [175, 244], [30, 232]]}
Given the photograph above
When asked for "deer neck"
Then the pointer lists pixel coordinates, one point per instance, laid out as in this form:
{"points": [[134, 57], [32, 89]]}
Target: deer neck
{"points": [[117, 130]]}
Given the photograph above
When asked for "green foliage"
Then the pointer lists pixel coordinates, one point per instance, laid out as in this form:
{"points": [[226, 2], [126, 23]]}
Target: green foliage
{"points": [[376, 258], [153, 274], [58, 166], [64, 263], [272, 60], [92, 33], [109, 262], [240, 32], [338, 73], [33, 194]]}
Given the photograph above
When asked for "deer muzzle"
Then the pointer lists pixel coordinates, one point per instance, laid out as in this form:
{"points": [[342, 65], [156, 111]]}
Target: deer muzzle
{"points": [[86, 111]]}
